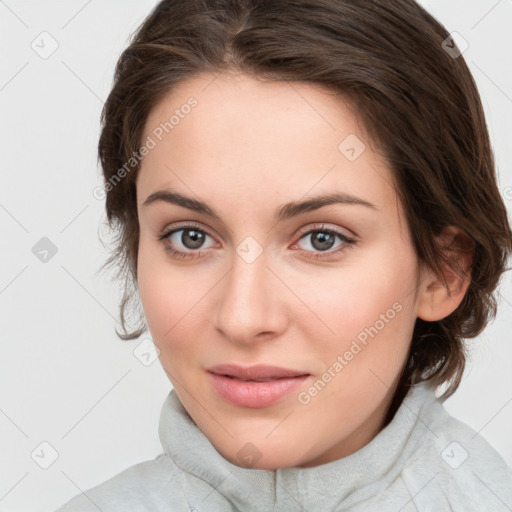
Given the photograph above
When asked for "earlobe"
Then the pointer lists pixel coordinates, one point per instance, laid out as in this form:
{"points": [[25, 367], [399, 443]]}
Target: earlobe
{"points": [[441, 293]]}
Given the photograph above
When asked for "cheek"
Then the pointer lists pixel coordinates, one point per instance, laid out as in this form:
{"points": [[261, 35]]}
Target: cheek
{"points": [[337, 307], [164, 292], [368, 306], [355, 298], [176, 304]]}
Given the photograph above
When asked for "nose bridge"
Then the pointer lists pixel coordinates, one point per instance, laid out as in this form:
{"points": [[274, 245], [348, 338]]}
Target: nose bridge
{"points": [[246, 307]]}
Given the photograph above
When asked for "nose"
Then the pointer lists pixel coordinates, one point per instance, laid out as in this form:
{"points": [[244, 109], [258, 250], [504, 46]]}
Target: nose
{"points": [[251, 304]]}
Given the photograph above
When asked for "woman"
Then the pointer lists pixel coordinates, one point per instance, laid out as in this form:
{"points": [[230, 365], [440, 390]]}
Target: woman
{"points": [[306, 202]]}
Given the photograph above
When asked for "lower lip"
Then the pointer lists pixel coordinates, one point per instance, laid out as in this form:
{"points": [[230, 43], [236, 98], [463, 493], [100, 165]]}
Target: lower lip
{"points": [[254, 394]]}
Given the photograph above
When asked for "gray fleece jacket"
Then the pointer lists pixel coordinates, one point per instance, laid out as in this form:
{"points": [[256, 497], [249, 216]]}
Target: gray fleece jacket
{"points": [[423, 461]]}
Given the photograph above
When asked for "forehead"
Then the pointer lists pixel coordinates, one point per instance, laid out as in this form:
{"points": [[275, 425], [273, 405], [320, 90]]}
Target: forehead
{"points": [[239, 104], [250, 135]]}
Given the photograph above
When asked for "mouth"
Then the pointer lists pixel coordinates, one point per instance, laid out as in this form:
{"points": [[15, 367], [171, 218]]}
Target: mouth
{"points": [[259, 380], [256, 386], [257, 373]]}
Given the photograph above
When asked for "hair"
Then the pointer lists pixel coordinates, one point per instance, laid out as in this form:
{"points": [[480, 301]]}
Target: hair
{"points": [[417, 101]]}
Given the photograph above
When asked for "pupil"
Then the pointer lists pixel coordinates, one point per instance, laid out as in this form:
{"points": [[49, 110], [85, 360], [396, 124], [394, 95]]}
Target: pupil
{"points": [[194, 239], [323, 241]]}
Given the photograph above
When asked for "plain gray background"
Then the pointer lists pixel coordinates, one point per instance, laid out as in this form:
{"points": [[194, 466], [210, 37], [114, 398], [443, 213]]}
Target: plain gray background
{"points": [[66, 380]]}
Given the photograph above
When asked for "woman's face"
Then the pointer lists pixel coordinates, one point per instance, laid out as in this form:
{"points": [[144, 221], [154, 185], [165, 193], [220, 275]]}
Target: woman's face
{"points": [[268, 273]]}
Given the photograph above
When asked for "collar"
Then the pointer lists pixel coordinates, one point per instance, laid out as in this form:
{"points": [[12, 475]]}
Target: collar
{"points": [[296, 488]]}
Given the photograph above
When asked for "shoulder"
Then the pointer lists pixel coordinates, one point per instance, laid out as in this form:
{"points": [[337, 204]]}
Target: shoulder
{"points": [[136, 489], [456, 465]]}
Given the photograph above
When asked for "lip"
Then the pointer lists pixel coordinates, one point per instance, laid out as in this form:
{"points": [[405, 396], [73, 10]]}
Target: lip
{"points": [[233, 383]]}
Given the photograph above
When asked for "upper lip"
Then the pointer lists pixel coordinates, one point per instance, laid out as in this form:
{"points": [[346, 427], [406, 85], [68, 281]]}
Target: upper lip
{"points": [[256, 372]]}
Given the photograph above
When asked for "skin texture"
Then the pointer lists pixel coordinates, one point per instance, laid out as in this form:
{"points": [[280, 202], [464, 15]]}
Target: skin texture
{"points": [[245, 149]]}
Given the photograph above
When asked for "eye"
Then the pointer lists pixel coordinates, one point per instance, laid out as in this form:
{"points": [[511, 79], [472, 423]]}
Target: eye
{"points": [[322, 240], [185, 241], [188, 241]]}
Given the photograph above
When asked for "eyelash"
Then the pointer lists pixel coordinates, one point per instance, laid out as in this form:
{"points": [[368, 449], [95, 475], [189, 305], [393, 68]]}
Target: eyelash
{"points": [[192, 254]]}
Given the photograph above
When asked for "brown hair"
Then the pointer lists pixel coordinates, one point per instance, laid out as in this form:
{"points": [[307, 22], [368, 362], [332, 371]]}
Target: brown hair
{"points": [[418, 102]]}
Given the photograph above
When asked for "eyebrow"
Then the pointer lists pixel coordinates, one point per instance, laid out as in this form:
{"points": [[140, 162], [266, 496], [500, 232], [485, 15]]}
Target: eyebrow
{"points": [[284, 212]]}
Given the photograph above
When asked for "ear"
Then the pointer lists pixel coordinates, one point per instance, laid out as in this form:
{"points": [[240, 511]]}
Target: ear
{"points": [[441, 293]]}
